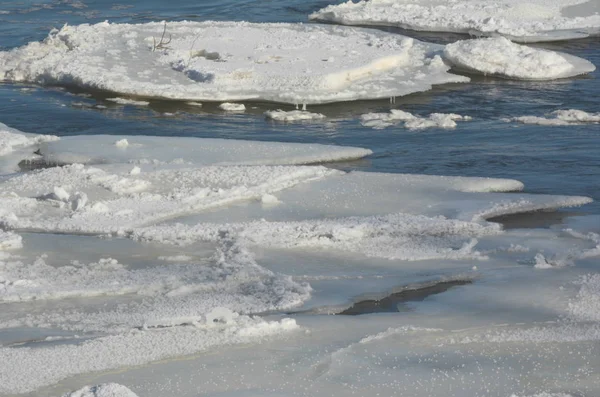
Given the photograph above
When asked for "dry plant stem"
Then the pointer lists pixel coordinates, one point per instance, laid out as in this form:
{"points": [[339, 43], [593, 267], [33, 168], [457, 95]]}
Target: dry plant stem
{"points": [[162, 44]]}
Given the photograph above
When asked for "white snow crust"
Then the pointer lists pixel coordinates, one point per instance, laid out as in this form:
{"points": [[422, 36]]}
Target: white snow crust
{"points": [[231, 61], [435, 120], [499, 56], [147, 151], [561, 117], [529, 21]]}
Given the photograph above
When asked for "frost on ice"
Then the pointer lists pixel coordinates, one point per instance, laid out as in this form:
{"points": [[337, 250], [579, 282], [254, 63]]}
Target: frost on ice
{"points": [[239, 231], [530, 21], [500, 57], [231, 61]]}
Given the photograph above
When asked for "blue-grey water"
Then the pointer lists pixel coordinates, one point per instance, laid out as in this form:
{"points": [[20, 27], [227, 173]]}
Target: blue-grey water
{"points": [[556, 160]]}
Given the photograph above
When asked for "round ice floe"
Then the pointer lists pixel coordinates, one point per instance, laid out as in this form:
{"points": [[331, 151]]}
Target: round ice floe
{"points": [[231, 61], [530, 21], [500, 57]]}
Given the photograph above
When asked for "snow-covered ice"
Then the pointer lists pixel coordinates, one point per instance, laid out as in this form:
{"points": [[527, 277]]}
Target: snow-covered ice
{"points": [[529, 21], [231, 61], [435, 120], [499, 56], [147, 151], [208, 246], [561, 117]]}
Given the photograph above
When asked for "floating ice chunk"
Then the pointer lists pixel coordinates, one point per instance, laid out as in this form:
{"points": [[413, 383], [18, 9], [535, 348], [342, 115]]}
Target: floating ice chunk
{"points": [[499, 56], [233, 61], [293, 115], [197, 104], [232, 107], [412, 122], [104, 390], [125, 101], [122, 143], [100, 149], [534, 20], [561, 117], [135, 171], [12, 139]]}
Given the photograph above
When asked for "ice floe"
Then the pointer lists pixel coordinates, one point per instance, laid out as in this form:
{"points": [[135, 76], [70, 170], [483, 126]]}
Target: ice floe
{"points": [[499, 56], [147, 151], [531, 21], [232, 107], [231, 61], [292, 115], [561, 117], [435, 120]]}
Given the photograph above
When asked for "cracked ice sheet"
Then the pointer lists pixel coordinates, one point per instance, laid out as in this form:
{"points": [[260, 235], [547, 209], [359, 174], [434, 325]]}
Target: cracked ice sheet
{"points": [[289, 63], [467, 350], [516, 330], [150, 151], [89, 200], [140, 314], [529, 21]]}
